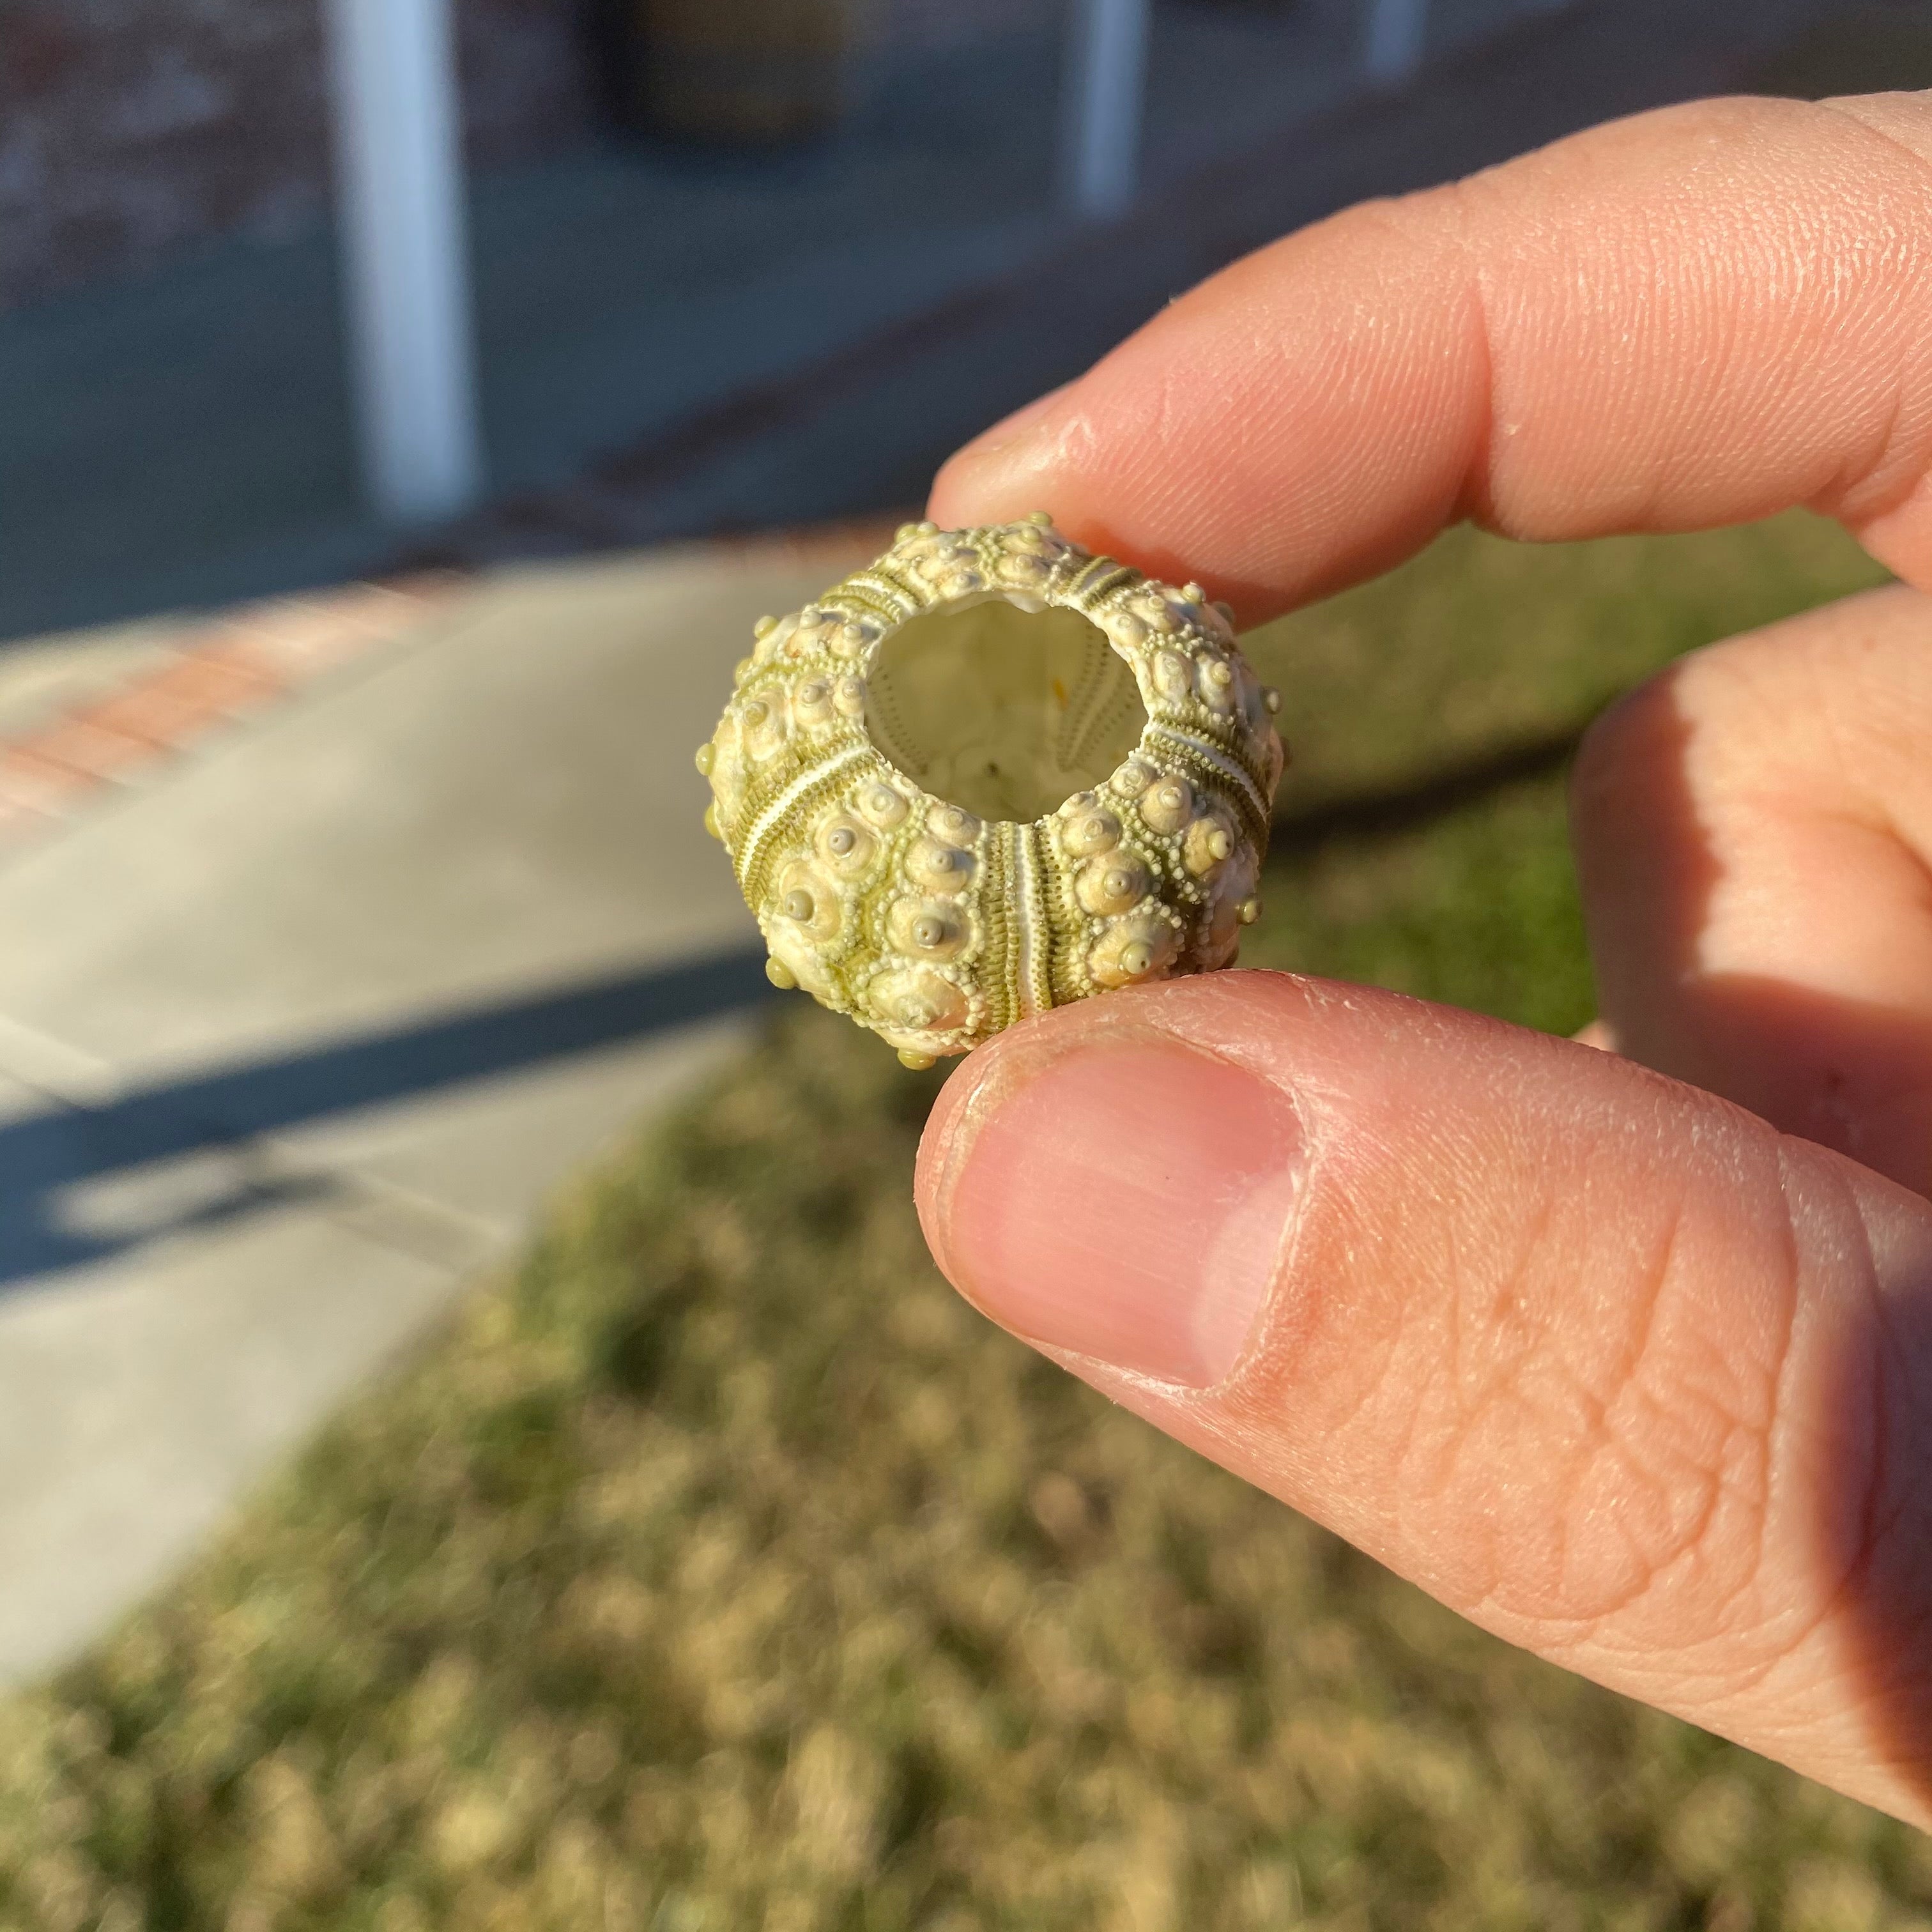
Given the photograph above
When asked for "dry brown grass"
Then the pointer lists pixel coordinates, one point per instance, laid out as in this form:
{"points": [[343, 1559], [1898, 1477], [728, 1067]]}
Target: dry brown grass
{"points": [[721, 1570]]}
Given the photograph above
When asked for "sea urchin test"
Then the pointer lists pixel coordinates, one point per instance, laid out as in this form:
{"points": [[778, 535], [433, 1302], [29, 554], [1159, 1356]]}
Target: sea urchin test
{"points": [[991, 773]]}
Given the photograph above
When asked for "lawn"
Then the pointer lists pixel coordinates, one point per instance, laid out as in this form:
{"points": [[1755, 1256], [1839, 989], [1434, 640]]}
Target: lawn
{"points": [[717, 1569]]}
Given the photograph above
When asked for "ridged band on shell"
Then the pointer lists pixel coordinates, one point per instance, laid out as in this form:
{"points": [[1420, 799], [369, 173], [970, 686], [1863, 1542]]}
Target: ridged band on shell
{"points": [[935, 927]]}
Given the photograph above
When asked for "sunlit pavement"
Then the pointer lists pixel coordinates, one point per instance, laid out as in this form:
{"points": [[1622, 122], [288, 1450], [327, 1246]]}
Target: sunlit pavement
{"points": [[300, 1020]]}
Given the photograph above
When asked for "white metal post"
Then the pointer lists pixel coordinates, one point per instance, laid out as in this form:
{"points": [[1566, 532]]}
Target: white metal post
{"points": [[1397, 29], [1106, 77], [399, 173]]}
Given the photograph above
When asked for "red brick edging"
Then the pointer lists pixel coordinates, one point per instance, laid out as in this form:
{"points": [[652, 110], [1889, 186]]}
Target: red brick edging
{"points": [[263, 652], [236, 665]]}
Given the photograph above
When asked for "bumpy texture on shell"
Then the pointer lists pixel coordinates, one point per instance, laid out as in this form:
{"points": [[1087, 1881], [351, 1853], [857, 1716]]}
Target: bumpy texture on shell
{"points": [[936, 929]]}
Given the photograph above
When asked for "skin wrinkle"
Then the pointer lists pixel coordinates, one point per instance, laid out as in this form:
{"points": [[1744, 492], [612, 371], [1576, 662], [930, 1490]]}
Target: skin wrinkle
{"points": [[1838, 497], [1347, 386], [1250, 1410], [1574, 1636], [1874, 531], [1753, 1429], [1755, 1675], [1424, 1460], [1742, 1456], [1502, 1392], [1469, 395], [1479, 490], [1601, 1439], [1517, 345], [1688, 1543], [1558, 1523], [1619, 1444], [1838, 501], [1845, 106]]}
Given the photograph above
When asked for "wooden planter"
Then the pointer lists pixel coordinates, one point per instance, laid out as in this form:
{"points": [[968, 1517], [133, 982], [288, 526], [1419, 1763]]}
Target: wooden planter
{"points": [[746, 71]]}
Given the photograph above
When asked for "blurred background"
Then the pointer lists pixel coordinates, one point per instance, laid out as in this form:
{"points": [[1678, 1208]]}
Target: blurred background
{"points": [[665, 236], [483, 1444]]}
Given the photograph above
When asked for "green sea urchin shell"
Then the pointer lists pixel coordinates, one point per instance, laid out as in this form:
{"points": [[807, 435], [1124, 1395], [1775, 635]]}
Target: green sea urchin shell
{"points": [[945, 816]]}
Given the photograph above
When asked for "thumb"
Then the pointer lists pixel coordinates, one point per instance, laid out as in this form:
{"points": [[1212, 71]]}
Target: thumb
{"points": [[1604, 1362]]}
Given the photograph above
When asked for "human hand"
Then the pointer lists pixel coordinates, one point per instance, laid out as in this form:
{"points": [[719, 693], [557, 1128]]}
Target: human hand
{"points": [[1628, 1374]]}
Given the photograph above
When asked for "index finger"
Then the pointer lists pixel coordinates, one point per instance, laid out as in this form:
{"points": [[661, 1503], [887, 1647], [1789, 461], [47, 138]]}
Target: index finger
{"points": [[1699, 316]]}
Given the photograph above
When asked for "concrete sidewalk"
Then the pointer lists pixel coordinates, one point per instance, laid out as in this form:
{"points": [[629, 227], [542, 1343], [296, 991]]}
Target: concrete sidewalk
{"points": [[300, 1021]]}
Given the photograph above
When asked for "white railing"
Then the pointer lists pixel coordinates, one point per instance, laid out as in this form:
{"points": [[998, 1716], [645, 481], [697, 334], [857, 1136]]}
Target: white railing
{"points": [[1397, 32], [399, 209], [1106, 84]]}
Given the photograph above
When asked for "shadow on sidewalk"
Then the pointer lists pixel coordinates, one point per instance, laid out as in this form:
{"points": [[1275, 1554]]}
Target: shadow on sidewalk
{"points": [[222, 1114], [224, 1117]]}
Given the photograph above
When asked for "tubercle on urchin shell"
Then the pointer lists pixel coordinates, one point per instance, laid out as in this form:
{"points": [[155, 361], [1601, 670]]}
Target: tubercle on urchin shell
{"points": [[928, 925]]}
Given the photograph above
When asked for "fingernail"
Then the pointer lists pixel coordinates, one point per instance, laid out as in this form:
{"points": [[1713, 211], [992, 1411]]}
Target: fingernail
{"points": [[1012, 429], [1128, 1201]]}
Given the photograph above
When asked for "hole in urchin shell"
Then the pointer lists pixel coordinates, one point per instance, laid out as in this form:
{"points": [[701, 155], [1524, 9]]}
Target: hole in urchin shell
{"points": [[1004, 711]]}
